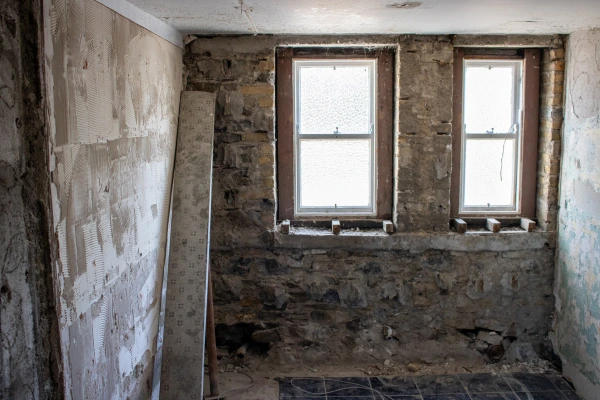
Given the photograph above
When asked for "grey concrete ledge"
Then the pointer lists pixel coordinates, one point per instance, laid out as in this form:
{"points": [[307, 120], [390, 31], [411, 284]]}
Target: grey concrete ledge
{"points": [[305, 238]]}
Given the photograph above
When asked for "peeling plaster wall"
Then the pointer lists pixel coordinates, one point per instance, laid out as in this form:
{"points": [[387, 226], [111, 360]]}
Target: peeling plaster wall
{"points": [[114, 90], [28, 325], [578, 260]]}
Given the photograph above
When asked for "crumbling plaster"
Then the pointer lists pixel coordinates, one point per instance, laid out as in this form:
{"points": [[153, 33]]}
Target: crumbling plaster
{"points": [[29, 356], [577, 326], [114, 91], [321, 298]]}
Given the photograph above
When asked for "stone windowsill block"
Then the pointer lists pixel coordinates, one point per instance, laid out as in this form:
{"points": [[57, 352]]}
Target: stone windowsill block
{"points": [[311, 238]]}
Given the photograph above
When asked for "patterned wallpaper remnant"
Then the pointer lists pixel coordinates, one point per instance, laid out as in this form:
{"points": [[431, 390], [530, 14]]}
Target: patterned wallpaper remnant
{"points": [[183, 348]]}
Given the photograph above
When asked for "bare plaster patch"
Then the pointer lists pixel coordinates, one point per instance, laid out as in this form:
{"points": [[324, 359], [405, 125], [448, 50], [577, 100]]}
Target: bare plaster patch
{"points": [[114, 93]]}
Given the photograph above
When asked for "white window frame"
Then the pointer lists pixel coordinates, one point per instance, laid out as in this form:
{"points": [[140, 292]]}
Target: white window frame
{"points": [[515, 207], [371, 209]]}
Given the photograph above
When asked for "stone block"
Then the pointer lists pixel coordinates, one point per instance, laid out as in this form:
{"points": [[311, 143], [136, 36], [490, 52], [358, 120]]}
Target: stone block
{"points": [[259, 90], [266, 336], [491, 338], [353, 295], [490, 324], [274, 295], [423, 210], [424, 162], [209, 69]]}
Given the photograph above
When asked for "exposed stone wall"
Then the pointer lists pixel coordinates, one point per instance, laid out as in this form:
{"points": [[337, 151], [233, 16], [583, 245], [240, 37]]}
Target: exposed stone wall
{"points": [[29, 366], [113, 90], [306, 298], [424, 142], [577, 326], [333, 304], [551, 119], [244, 163]]}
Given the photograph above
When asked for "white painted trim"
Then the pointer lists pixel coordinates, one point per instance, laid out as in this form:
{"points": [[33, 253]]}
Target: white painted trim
{"points": [[145, 20], [585, 388]]}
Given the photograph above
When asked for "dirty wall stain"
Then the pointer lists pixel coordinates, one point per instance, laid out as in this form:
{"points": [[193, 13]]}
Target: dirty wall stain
{"points": [[577, 289]]}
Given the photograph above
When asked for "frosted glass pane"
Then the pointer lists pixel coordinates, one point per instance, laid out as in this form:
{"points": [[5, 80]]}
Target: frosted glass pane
{"points": [[489, 99], [334, 99], [489, 176], [335, 172]]}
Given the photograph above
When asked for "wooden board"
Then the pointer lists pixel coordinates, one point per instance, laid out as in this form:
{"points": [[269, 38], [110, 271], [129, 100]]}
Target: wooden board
{"points": [[182, 373]]}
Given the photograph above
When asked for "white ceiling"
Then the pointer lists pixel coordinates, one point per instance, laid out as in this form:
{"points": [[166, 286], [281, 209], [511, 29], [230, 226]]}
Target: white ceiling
{"points": [[374, 16]]}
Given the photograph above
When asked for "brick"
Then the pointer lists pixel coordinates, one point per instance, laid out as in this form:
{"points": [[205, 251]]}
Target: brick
{"points": [[557, 54], [268, 219], [266, 148], [268, 183], [552, 100], [255, 137], [266, 65], [266, 102], [263, 90], [266, 160], [255, 194], [552, 77], [558, 65], [552, 169], [551, 124], [547, 135]]}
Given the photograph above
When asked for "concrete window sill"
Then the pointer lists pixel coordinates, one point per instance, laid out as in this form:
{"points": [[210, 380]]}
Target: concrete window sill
{"points": [[507, 240]]}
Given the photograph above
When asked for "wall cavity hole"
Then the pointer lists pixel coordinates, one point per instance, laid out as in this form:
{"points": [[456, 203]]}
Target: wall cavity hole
{"points": [[241, 339]]}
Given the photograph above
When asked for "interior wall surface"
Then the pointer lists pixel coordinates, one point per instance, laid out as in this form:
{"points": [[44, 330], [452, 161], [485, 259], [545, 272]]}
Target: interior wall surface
{"points": [[578, 256], [114, 91], [314, 297], [29, 364]]}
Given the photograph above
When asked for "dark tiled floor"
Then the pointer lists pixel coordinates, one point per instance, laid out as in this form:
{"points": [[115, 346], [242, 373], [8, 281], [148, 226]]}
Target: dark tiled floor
{"points": [[515, 386]]}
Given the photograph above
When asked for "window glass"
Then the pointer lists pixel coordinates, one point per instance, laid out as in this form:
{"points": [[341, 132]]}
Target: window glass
{"points": [[335, 173], [334, 98], [489, 173], [490, 156], [489, 98], [334, 136]]}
